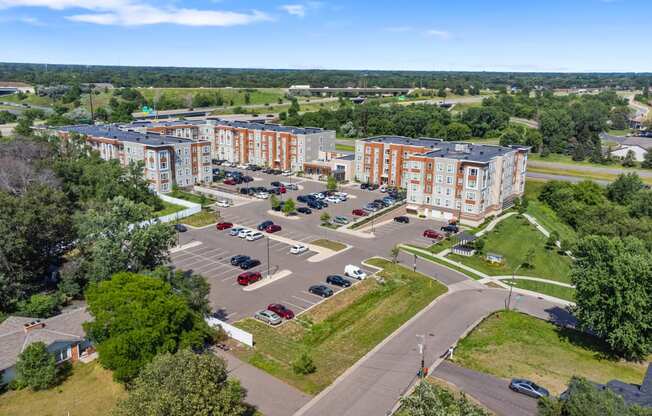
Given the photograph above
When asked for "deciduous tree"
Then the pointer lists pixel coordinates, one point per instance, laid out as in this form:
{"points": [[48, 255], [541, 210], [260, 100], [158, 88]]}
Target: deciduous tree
{"points": [[36, 367]]}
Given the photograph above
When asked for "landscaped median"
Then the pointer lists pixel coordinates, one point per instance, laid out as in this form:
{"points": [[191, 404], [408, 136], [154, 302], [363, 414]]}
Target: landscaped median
{"points": [[329, 244], [339, 331]]}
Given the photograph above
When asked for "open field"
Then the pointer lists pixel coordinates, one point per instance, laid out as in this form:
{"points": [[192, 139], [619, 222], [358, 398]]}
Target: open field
{"points": [[88, 391], [567, 160], [339, 331], [513, 238], [232, 96], [200, 219], [31, 99], [511, 344]]}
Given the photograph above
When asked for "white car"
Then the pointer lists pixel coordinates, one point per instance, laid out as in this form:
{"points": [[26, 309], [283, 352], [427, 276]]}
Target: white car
{"points": [[342, 195], [235, 231], [333, 199], [223, 203], [354, 272], [298, 249], [383, 188], [318, 195], [244, 233], [262, 195], [287, 173], [254, 235], [242, 166], [290, 185]]}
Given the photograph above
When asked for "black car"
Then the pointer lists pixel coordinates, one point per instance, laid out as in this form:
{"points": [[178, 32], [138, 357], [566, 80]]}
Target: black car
{"points": [[279, 207], [304, 210], [321, 290], [381, 203], [450, 228], [239, 259], [264, 225], [247, 178], [364, 186], [315, 204], [276, 184], [276, 171], [302, 198], [338, 281], [402, 219], [274, 191], [245, 191], [246, 265], [180, 228]]}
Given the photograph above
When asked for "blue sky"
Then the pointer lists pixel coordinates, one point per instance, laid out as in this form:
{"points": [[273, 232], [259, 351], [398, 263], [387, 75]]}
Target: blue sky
{"points": [[475, 35]]}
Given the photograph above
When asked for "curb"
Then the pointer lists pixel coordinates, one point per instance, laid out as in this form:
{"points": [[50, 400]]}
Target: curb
{"points": [[276, 276]]}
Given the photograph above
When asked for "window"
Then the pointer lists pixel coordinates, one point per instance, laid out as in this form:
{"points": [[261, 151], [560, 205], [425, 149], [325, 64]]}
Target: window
{"points": [[165, 187], [468, 208], [438, 188], [448, 191], [437, 201], [440, 178], [62, 355], [447, 203], [164, 165], [449, 180], [470, 196], [449, 168], [164, 176]]}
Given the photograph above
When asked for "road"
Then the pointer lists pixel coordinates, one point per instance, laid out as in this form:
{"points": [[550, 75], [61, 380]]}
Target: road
{"points": [[588, 168]]}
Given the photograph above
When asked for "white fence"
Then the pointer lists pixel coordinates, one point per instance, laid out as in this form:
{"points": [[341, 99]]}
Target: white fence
{"points": [[191, 208], [233, 332]]}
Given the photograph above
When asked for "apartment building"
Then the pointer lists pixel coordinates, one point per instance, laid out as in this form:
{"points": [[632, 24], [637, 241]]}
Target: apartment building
{"points": [[168, 160], [445, 180]]}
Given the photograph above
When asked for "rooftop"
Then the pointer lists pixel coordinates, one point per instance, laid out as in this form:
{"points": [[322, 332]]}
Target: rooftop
{"points": [[346, 157], [452, 150], [14, 337], [111, 131], [268, 127]]}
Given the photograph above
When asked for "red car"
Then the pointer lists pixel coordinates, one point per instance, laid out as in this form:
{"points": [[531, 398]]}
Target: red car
{"points": [[359, 212], [282, 189], [247, 278], [273, 228], [432, 234], [223, 225], [229, 181], [281, 310]]}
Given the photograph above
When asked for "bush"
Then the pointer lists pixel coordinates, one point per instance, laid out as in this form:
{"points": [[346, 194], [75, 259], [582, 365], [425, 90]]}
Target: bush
{"points": [[36, 368], [40, 305], [304, 364]]}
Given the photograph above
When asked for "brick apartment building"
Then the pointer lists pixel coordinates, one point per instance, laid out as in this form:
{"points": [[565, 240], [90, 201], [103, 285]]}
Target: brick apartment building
{"points": [[445, 180], [168, 160]]}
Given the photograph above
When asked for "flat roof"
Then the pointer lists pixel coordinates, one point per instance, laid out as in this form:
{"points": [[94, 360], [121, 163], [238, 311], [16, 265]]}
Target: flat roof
{"points": [[111, 131], [452, 150], [268, 127]]}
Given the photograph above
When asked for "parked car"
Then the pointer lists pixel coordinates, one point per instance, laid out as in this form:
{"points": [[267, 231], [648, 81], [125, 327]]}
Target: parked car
{"points": [[264, 225], [262, 195], [223, 225], [321, 290], [432, 234], [275, 183], [247, 278], [354, 272], [279, 207], [254, 235], [529, 388], [247, 179], [291, 186], [371, 207], [333, 199], [235, 231], [341, 220], [249, 264], [342, 195], [223, 203], [280, 310], [389, 200], [315, 204], [237, 260], [383, 188], [268, 317], [276, 171], [359, 212], [229, 181], [373, 186], [303, 198], [304, 210], [450, 228], [338, 280], [298, 249], [244, 233], [364, 186], [287, 173], [273, 228], [402, 219], [180, 228], [274, 191]]}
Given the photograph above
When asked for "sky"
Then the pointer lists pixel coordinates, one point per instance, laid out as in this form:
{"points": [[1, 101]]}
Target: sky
{"points": [[464, 35]]}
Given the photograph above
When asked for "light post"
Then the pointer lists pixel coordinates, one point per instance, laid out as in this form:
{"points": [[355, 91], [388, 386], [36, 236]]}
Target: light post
{"points": [[415, 263], [268, 257], [422, 351], [511, 287]]}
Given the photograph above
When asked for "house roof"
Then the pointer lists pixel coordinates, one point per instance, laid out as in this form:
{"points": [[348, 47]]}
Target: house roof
{"points": [[643, 142], [114, 132], [14, 338], [634, 393]]}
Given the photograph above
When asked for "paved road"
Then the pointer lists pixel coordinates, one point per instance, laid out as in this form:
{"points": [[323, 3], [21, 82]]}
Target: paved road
{"points": [[490, 391], [567, 178], [611, 170], [270, 395], [376, 382]]}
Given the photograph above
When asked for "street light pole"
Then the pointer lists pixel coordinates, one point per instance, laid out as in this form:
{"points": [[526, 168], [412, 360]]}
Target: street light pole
{"points": [[511, 286], [268, 257]]}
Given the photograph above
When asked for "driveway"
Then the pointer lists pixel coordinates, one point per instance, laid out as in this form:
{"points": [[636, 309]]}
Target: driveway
{"points": [[490, 391]]}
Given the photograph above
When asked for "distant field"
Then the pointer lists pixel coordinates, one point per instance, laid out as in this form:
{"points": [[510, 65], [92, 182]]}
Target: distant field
{"points": [[32, 99], [235, 95]]}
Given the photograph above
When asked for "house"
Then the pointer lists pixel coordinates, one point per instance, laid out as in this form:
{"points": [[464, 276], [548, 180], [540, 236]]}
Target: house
{"points": [[63, 336], [634, 394], [494, 258], [464, 246], [639, 145]]}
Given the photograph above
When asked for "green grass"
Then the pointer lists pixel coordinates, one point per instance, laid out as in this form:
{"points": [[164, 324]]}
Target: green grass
{"points": [[330, 244], [190, 197], [344, 147], [200, 219], [511, 344], [339, 331], [89, 390], [513, 238], [32, 99], [442, 262], [623, 132], [549, 289], [168, 208], [237, 95], [567, 160]]}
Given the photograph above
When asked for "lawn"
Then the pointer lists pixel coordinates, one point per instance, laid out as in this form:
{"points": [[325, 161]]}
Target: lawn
{"points": [[567, 160], [339, 331], [200, 219], [549, 289], [344, 147], [90, 390], [442, 262], [513, 238], [190, 197], [511, 344], [330, 244], [237, 95], [168, 208]]}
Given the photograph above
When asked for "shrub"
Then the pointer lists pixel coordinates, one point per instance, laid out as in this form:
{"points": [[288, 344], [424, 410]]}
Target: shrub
{"points": [[304, 364], [36, 368]]}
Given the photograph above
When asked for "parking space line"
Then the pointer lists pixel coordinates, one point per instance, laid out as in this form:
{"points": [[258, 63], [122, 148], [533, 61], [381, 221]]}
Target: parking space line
{"points": [[296, 306], [303, 300]]}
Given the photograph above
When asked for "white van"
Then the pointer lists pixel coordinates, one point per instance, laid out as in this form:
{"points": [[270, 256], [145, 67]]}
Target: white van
{"points": [[354, 272]]}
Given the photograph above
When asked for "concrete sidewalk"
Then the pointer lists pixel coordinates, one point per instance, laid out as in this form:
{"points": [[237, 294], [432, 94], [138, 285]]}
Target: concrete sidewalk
{"points": [[270, 395]]}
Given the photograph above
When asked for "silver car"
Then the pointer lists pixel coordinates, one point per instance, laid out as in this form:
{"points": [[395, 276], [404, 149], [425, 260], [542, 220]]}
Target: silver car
{"points": [[268, 317]]}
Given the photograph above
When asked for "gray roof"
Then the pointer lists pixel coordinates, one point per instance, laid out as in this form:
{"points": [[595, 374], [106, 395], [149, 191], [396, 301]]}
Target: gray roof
{"points": [[452, 150], [160, 123], [644, 142], [64, 327], [346, 157], [633, 393], [268, 127], [114, 132]]}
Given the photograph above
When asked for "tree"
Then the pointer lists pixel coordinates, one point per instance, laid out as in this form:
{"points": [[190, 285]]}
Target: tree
{"points": [[184, 384], [331, 183], [585, 399], [137, 317], [274, 202], [613, 280], [641, 205], [458, 132], [24, 127], [430, 400], [115, 237], [394, 252], [293, 111], [647, 161], [36, 367], [551, 242], [629, 161], [191, 286], [289, 206], [623, 189], [40, 305], [325, 218], [304, 364]]}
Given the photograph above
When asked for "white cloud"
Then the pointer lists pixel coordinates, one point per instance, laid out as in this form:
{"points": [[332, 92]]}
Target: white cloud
{"points": [[131, 13], [441, 34], [295, 9]]}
